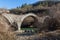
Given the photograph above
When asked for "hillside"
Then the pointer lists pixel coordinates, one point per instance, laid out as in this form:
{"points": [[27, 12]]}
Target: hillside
{"points": [[38, 7]]}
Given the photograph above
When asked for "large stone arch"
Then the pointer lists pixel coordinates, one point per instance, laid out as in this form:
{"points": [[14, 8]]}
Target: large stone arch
{"points": [[23, 17]]}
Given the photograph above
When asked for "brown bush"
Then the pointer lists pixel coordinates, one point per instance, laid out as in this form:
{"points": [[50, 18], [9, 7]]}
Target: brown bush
{"points": [[5, 34]]}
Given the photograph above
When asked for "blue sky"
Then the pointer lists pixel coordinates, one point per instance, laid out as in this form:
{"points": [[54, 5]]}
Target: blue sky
{"points": [[14, 3]]}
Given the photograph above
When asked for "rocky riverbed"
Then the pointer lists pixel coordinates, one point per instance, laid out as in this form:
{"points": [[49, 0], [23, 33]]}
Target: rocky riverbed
{"points": [[54, 35]]}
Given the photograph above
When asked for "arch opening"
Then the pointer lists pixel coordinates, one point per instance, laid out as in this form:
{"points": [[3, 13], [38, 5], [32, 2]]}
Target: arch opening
{"points": [[29, 23]]}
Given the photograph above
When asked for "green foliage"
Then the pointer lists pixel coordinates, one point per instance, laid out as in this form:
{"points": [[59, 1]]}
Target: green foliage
{"points": [[27, 28]]}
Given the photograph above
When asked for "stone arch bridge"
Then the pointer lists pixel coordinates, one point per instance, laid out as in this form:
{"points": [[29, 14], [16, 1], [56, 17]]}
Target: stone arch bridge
{"points": [[19, 20]]}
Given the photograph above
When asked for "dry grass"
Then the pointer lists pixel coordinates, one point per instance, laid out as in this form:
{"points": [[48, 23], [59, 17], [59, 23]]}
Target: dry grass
{"points": [[7, 36]]}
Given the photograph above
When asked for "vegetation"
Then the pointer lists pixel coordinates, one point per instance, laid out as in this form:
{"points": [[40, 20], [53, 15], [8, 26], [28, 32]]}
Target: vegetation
{"points": [[38, 8], [40, 5]]}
